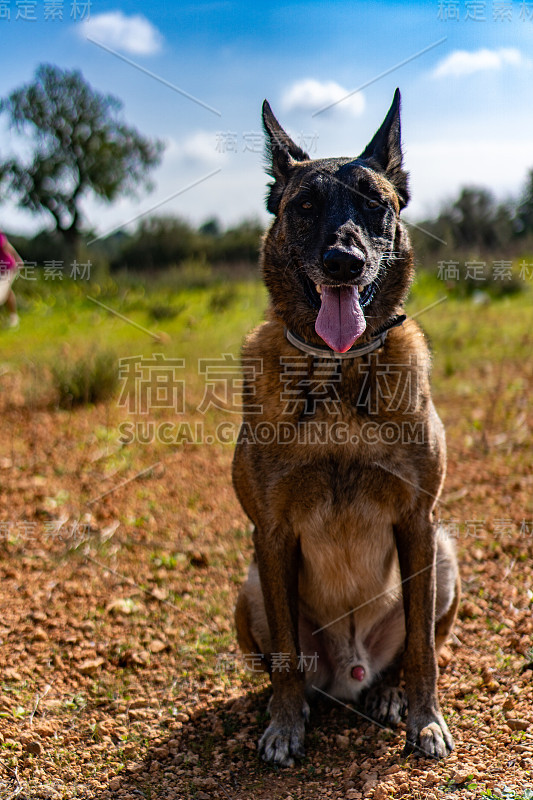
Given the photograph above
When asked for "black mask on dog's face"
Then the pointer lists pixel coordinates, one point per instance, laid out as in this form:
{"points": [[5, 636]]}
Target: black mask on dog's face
{"points": [[338, 232]]}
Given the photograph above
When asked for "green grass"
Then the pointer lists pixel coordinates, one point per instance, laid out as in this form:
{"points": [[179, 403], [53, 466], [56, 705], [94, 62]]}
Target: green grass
{"points": [[464, 333], [60, 325], [199, 320]]}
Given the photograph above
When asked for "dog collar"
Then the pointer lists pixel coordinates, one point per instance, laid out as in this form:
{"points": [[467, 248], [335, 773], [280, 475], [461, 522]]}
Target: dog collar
{"points": [[323, 351]]}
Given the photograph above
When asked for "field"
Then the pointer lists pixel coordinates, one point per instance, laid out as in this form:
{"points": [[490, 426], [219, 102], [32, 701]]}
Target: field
{"points": [[123, 546]]}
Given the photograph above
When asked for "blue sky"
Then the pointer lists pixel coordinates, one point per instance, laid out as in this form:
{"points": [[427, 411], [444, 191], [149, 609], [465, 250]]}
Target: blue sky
{"points": [[467, 101]]}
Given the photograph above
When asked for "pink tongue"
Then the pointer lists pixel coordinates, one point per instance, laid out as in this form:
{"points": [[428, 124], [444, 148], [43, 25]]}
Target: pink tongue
{"points": [[340, 320]]}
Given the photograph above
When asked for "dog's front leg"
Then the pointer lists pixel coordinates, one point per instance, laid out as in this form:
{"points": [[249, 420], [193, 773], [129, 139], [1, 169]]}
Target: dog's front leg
{"points": [[278, 560], [427, 732]]}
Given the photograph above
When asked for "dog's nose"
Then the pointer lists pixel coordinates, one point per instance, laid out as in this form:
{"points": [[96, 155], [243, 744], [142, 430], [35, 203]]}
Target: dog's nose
{"points": [[344, 265]]}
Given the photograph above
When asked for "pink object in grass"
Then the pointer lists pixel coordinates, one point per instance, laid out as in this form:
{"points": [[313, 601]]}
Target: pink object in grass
{"points": [[7, 261]]}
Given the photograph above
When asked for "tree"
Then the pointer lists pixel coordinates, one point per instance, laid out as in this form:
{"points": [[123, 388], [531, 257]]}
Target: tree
{"points": [[211, 227], [524, 211], [80, 146], [477, 221], [159, 242]]}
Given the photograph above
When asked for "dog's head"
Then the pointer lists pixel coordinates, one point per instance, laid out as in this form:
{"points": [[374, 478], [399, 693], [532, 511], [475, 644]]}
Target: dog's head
{"points": [[337, 260]]}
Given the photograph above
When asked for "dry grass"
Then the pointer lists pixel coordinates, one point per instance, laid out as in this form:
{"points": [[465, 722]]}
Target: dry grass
{"points": [[121, 564]]}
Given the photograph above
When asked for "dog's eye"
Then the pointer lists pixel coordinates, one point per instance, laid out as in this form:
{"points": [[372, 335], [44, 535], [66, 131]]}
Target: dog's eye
{"points": [[306, 205], [371, 203]]}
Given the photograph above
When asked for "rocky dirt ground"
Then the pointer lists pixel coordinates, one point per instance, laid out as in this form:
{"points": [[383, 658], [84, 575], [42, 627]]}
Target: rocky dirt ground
{"points": [[119, 571]]}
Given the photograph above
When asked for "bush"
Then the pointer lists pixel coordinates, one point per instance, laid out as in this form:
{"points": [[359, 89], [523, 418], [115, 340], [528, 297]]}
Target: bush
{"points": [[161, 243], [92, 378]]}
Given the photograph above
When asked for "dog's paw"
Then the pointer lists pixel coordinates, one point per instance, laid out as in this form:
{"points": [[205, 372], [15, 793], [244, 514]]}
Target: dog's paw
{"points": [[283, 740], [386, 705], [429, 738]]}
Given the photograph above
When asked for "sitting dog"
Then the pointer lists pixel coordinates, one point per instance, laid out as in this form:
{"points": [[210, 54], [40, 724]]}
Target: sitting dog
{"points": [[341, 455]]}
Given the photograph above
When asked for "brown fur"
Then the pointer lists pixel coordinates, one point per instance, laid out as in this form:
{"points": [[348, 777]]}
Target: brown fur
{"points": [[345, 542]]}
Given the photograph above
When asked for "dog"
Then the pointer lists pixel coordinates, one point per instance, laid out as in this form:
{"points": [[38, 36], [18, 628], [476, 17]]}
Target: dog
{"points": [[341, 455]]}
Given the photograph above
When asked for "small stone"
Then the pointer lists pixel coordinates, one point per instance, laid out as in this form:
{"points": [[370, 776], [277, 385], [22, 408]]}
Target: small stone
{"points": [[470, 610], [39, 635], [33, 747], [91, 665], [45, 729], [392, 770], [141, 703], [342, 741], [381, 793], [137, 714], [50, 793], [518, 724], [199, 559], [157, 646], [115, 783], [461, 776], [5, 703], [11, 675], [368, 786], [129, 657]]}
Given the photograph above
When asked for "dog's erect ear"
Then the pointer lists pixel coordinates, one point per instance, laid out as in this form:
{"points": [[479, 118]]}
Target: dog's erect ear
{"points": [[385, 151], [281, 154]]}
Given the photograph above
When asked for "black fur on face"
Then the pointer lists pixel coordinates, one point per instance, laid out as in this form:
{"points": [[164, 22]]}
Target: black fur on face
{"points": [[343, 204]]}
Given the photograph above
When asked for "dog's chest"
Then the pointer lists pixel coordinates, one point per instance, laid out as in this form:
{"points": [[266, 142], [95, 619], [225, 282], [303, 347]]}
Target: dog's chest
{"points": [[348, 555]]}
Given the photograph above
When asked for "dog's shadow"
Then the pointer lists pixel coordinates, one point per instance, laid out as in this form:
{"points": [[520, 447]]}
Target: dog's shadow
{"points": [[214, 753]]}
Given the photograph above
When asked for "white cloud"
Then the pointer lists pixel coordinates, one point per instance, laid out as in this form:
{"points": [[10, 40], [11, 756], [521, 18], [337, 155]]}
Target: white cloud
{"points": [[500, 165], [201, 147], [464, 62], [133, 34], [312, 95]]}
